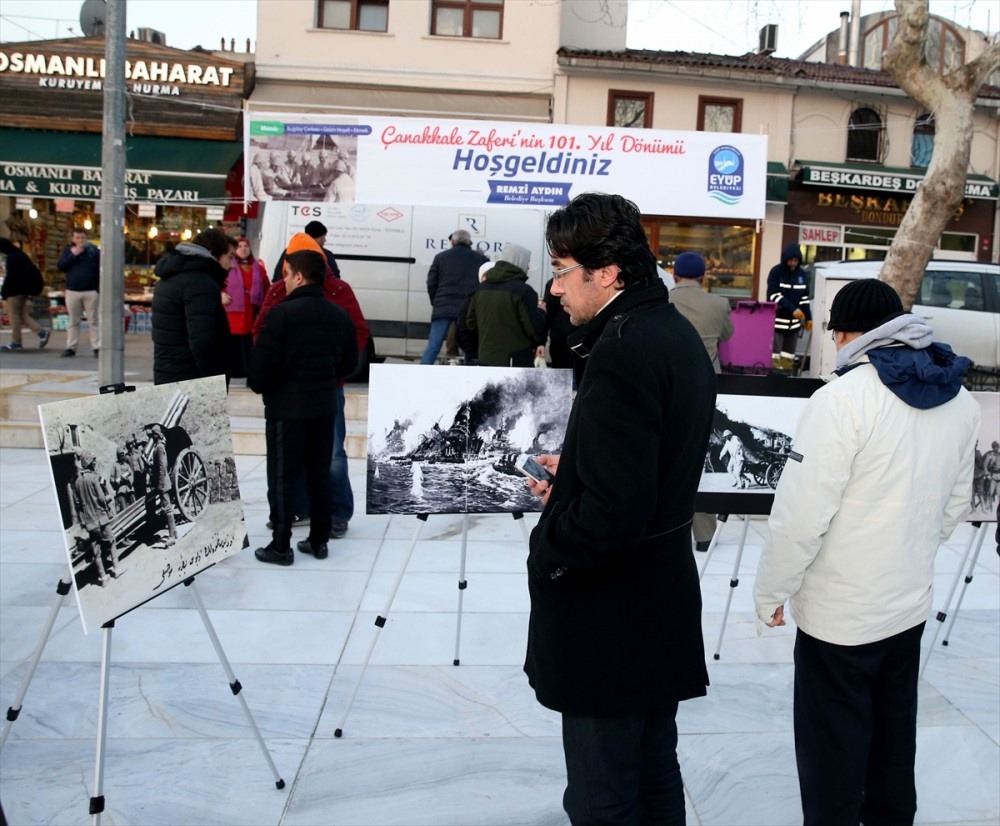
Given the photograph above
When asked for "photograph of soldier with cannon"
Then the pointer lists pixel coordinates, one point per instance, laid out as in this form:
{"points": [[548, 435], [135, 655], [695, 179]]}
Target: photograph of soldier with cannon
{"points": [[147, 490]]}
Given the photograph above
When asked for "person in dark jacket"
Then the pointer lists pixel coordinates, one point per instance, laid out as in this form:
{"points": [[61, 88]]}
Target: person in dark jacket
{"points": [[317, 231], [787, 285], [21, 281], [504, 311], [340, 293], [305, 345], [453, 274], [614, 634], [190, 329], [81, 261]]}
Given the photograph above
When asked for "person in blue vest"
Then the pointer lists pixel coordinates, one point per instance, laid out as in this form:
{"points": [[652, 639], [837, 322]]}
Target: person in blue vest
{"points": [[788, 286]]}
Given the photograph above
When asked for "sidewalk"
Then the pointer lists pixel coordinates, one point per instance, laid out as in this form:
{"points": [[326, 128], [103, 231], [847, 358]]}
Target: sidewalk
{"points": [[426, 742]]}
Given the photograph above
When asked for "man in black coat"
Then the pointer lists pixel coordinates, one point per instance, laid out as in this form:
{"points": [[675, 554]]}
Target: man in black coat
{"points": [[190, 329], [452, 276], [21, 282], [614, 636], [305, 344]]}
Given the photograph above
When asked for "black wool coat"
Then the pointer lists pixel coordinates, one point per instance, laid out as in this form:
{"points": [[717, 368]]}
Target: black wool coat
{"points": [[453, 274], [190, 329], [305, 345], [615, 625]]}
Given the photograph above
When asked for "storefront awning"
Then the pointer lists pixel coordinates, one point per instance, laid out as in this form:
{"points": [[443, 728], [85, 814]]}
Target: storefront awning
{"points": [[776, 190], [42, 164], [886, 179]]}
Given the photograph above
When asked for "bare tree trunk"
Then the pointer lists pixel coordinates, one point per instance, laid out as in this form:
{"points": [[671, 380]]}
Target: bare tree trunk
{"points": [[952, 100]]}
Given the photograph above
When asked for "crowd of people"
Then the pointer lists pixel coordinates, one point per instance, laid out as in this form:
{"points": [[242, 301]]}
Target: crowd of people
{"points": [[615, 638]]}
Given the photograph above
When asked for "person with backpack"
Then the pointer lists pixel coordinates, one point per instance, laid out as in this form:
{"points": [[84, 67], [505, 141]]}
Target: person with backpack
{"points": [[21, 282]]}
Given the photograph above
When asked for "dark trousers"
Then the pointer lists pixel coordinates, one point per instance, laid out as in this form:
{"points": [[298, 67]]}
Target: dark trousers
{"points": [[294, 445], [623, 770], [856, 729], [341, 493]]}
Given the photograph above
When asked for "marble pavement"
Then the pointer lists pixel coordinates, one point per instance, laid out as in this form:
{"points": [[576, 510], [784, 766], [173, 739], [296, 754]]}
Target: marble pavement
{"points": [[426, 742]]}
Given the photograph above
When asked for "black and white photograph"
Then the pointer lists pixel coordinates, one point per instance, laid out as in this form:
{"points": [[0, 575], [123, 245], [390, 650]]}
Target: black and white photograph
{"points": [[147, 490], [444, 439], [752, 433], [296, 167], [985, 503]]}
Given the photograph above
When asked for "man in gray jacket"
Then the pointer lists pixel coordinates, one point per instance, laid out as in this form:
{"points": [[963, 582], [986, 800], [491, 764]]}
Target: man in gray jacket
{"points": [[709, 314], [454, 274]]}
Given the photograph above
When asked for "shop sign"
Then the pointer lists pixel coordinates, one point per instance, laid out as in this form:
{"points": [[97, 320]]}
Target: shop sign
{"points": [[884, 181], [214, 213], [23, 203], [86, 73], [147, 210], [83, 183], [821, 234], [872, 209]]}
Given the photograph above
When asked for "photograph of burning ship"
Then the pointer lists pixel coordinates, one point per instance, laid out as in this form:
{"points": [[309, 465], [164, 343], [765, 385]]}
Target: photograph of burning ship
{"points": [[445, 440]]}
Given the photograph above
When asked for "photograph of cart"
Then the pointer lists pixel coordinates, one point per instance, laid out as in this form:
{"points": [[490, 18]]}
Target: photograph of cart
{"points": [[147, 490]]}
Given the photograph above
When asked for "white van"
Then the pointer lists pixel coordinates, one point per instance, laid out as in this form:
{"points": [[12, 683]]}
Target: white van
{"points": [[959, 299], [385, 250]]}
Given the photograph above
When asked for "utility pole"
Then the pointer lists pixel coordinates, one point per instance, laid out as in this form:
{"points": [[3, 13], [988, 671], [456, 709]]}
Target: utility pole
{"points": [[111, 364]]}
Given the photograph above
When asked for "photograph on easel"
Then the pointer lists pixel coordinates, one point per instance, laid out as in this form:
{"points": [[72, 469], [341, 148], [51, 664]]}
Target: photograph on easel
{"points": [[753, 430], [985, 503], [444, 439], [147, 490]]}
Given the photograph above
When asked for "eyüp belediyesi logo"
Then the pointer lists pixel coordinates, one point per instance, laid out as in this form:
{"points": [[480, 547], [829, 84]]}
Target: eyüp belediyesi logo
{"points": [[725, 174]]}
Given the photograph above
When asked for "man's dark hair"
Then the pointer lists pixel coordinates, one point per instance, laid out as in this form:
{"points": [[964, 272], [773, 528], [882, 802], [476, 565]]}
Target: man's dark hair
{"points": [[81, 230], [598, 230], [310, 265], [315, 229], [213, 240], [233, 242]]}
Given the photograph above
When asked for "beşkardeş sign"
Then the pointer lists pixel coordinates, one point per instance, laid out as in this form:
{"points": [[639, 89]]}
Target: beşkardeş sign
{"points": [[298, 157]]}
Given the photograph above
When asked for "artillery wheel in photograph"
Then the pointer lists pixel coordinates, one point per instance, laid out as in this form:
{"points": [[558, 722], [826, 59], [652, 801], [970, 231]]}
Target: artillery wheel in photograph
{"points": [[773, 473], [190, 484]]}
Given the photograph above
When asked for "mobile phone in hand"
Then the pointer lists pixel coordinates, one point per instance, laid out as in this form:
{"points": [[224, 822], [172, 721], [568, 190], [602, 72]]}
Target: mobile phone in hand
{"points": [[530, 468]]}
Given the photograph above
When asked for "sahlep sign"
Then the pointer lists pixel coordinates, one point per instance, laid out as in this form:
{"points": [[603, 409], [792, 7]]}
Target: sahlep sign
{"points": [[476, 163]]}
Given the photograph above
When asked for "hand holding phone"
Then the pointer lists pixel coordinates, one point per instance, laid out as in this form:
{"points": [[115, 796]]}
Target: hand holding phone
{"points": [[530, 468]]}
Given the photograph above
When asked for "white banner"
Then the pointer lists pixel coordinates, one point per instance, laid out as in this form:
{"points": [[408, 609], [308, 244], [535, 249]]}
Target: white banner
{"points": [[413, 161]]}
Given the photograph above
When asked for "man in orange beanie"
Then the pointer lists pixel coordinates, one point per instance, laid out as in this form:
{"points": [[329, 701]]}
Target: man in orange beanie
{"points": [[340, 293]]}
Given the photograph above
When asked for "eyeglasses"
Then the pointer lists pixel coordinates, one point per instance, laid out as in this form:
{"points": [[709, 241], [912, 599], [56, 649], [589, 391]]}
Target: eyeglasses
{"points": [[558, 275]]}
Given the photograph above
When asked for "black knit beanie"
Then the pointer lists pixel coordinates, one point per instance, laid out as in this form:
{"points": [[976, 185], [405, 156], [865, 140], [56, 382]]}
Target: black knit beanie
{"points": [[863, 305]]}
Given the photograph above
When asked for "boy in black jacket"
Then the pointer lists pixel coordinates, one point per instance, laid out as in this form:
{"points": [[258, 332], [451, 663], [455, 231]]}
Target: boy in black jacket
{"points": [[306, 343]]}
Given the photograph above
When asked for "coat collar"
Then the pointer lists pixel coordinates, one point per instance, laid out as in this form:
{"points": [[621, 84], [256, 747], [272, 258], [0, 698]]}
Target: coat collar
{"points": [[583, 340]]}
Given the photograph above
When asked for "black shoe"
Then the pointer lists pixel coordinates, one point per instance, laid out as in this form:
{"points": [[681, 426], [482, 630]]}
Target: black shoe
{"points": [[43, 338], [319, 551], [702, 546], [97, 353], [274, 556], [69, 351], [337, 529]]}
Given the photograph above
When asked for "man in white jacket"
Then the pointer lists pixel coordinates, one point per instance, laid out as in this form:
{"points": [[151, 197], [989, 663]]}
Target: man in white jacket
{"points": [[880, 473]]}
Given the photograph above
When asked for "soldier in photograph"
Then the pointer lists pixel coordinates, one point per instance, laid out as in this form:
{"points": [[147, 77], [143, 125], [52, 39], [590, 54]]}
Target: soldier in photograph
{"points": [[733, 447], [160, 483], [122, 483], [95, 510]]}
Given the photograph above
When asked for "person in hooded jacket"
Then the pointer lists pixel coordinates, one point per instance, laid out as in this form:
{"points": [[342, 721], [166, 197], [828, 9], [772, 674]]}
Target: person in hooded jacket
{"points": [[880, 474], [788, 286], [504, 311], [22, 281], [190, 329]]}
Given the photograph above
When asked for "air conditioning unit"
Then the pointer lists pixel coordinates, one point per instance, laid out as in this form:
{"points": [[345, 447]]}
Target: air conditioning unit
{"points": [[768, 39], [160, 39]]}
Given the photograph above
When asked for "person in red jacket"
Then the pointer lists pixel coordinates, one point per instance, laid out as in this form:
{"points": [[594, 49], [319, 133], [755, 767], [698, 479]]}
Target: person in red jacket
{"points": [[340, 293]]}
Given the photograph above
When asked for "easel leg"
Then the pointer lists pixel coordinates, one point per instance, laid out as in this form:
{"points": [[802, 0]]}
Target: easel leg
{"points": [[462, 585], [722, 518], [965, 584], [380, 623], [733, 582], [234, 684], [942, 615], [97, 800], [13, 711]]}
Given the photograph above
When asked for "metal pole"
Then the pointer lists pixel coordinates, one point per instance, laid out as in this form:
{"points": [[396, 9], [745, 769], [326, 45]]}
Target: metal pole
{"points": [[111, 304]]}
